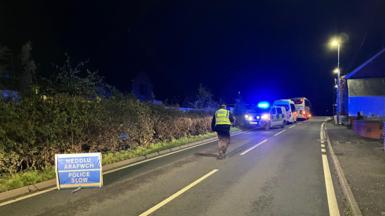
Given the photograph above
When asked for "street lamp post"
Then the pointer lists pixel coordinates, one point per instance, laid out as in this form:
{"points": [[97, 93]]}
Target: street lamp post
{"points": [[336, 43]]}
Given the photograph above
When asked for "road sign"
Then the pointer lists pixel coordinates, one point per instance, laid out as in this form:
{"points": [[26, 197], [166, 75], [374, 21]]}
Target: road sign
{"points": [[78, 170]]}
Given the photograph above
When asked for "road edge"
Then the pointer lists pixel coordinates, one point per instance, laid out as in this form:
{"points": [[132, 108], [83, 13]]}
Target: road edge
{"points": [[346, 190], [39, 187]]}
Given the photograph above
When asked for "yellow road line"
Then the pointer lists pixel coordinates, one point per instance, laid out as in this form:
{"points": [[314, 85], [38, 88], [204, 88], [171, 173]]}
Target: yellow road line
{"points": [[175, 195]]}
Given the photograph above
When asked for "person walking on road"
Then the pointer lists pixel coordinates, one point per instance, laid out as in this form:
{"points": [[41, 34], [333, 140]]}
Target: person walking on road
{"points": [[221, 123]]}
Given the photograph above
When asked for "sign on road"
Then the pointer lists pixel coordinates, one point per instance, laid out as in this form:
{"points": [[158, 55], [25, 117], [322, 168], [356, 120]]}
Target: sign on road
{"points": [[78, 170]]}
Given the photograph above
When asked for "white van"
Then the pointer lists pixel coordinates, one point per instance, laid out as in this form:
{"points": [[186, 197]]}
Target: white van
{"points": [[291, 113], [275, 117]]}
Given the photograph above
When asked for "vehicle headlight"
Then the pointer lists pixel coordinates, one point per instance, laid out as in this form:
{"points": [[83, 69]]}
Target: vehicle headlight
{"points": [[248, 117], [265, 117]]}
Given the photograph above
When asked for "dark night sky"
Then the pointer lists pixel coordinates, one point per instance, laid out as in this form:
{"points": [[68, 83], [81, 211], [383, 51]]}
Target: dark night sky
{"points": [[265, 49]]}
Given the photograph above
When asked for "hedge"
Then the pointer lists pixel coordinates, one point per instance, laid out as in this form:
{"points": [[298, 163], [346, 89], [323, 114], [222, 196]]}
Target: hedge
{"points": [[34, 129]]}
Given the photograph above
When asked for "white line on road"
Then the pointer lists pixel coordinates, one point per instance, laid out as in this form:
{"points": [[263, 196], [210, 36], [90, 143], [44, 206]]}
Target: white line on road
{"points": [[111, 171], [330, 193], [323, 146], [250, 149], [27, 196], [279, 132], [175, 195], [292, 126]]}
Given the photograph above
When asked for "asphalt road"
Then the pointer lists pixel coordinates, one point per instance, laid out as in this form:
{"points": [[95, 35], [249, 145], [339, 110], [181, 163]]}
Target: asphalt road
{"points": [[281, 176]]}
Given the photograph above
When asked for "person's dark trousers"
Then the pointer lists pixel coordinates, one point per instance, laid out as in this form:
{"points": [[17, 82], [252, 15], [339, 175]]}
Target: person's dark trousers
{"points": [[223, 132]]}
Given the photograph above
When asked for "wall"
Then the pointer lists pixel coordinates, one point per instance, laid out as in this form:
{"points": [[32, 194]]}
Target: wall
{"points": [[369, 128]]}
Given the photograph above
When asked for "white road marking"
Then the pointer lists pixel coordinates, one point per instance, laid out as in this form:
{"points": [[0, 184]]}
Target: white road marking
{"points": [[27, 196], [292, 126], [279, 132], [111, 171], [323, 146], [250, 149], [330, 193], [175, 195]]}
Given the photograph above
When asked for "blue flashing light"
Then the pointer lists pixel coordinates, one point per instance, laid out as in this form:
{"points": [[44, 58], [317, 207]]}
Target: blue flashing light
{"points": [[263, 105]]}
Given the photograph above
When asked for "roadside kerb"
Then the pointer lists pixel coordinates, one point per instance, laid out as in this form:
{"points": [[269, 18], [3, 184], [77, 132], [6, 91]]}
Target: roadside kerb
{"points": [[346, 190], [30, 189]]}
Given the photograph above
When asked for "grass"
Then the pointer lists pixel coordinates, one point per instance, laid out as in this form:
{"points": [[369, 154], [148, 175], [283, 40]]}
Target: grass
{"points": [[30, 177]]}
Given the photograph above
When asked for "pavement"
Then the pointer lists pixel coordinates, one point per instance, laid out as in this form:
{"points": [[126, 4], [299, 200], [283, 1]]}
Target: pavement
{"points": [[363, 163], [275, 172]]}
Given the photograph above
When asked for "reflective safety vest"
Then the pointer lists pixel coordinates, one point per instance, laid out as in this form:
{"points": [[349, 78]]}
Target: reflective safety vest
{"points": [[222, 117]]}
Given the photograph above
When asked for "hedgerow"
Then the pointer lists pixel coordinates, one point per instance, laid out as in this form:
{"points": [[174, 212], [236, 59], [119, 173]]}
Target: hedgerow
{"points": [[36, 128]]}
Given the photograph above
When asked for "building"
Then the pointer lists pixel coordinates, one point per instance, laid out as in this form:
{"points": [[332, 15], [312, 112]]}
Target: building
{"points": [[366, 88]]}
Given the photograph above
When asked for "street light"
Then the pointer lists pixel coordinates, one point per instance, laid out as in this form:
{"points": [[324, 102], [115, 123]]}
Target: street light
{"points": [[336, 71], [334, 43]]}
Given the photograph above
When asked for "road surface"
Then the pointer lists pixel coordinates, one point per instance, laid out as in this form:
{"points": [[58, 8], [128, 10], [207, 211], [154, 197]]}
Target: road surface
{"points": [[275, 172]]}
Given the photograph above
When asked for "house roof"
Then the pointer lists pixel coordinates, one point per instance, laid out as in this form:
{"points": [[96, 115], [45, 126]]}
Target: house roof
{"points": [[374, 67]]}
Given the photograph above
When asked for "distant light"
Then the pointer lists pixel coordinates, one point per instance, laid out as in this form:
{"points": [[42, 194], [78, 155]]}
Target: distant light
{"points": [[335, 86], [263, 105], [336, 70]]}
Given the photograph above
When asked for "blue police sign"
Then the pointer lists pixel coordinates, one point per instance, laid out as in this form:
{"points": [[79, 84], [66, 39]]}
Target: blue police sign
{"points": [[78, 170]]}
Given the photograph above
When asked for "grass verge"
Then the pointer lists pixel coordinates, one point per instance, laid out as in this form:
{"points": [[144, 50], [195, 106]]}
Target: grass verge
{"points": [[31, 177]]}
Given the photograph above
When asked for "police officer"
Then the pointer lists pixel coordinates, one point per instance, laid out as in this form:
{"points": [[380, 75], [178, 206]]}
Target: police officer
{"points": [[221, 123]]}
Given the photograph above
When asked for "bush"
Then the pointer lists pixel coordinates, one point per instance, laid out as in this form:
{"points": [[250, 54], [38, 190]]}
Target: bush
{"points": [[33, 130]]}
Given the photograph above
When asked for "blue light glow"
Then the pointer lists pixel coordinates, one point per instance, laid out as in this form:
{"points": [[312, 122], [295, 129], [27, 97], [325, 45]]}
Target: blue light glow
{"points": [[263, 105]]}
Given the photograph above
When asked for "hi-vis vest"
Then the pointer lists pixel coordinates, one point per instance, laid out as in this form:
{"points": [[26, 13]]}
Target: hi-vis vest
{"points": [[222, 117]]}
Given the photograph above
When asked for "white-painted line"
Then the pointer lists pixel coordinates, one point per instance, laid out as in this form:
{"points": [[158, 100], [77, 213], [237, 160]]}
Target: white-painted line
{"points": [[323, 146], [250, 149], [279, 133], [165, 155], [330, 193], [355, 209], [157, 157], [114, 170], [292, 126], [27, 196], [175, 195]]}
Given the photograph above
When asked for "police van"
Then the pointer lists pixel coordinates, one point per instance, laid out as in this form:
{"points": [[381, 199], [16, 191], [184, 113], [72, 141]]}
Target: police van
{"points": [[262, 118], [290, 108]]}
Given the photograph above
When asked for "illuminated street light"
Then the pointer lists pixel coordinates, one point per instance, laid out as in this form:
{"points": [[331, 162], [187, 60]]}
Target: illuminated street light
{"points": [[336, 42], [337, 70]]}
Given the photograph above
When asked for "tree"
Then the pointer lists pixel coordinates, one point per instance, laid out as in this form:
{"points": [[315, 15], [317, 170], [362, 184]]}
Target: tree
{"points": [[27, 73], [204, 99], [75, 80], [5, 76]]}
